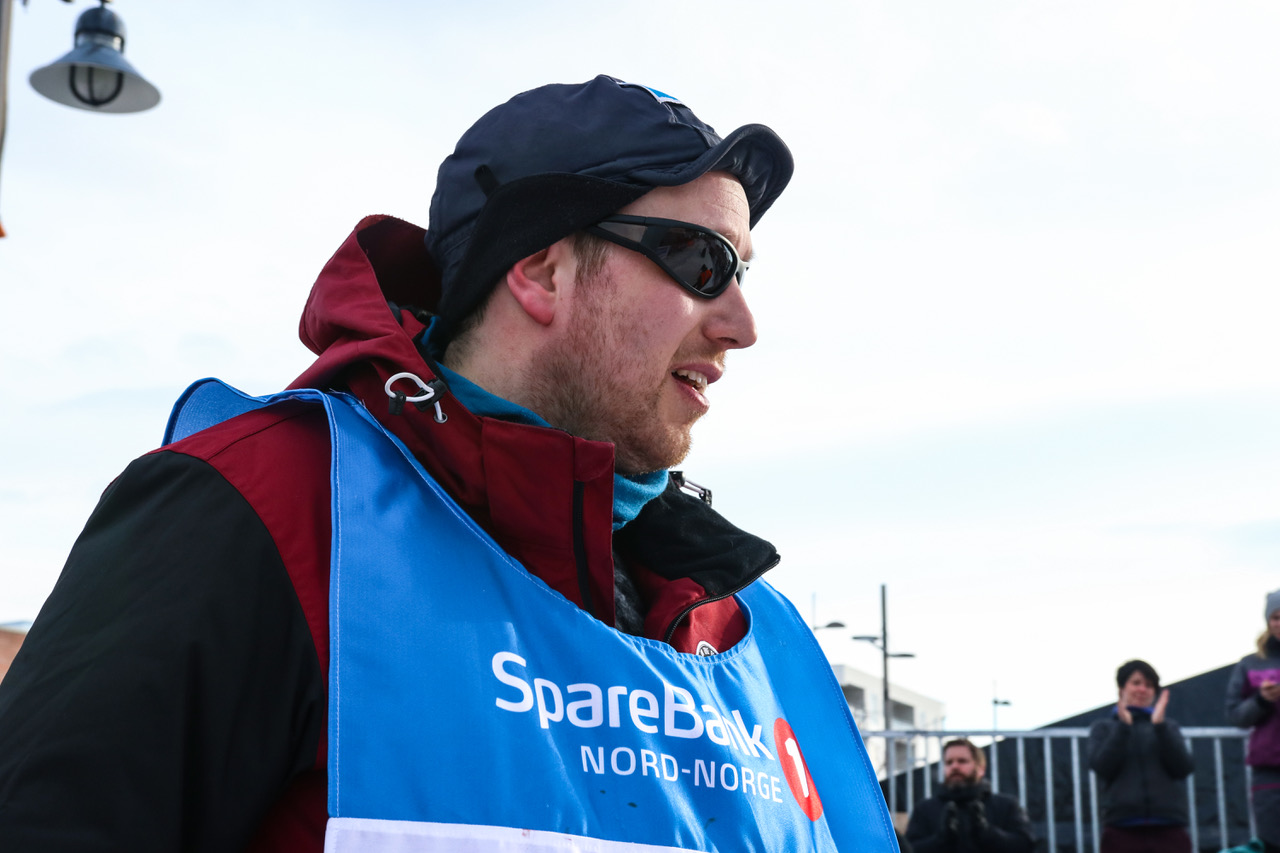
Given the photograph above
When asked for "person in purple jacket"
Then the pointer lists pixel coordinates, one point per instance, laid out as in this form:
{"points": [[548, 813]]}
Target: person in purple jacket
{"points": [[1252, 694]]}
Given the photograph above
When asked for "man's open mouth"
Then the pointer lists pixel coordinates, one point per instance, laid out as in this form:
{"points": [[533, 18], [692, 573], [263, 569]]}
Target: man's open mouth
{"points": [[692, 378]]}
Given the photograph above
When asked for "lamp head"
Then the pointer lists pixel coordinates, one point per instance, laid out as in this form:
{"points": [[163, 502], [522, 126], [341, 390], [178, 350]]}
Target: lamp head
{"points": [[94, 75]]}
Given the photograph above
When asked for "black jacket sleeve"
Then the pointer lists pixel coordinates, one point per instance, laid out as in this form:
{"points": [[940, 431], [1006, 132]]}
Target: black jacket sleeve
{"points": [[1174, 756], [170, 688], [1008, 829], [1108, 742], [925, 830], [1245, 711]]}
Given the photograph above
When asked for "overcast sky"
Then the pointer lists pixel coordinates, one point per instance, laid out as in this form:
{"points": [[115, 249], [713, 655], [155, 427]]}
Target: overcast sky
{"points": [[1018, 352]]}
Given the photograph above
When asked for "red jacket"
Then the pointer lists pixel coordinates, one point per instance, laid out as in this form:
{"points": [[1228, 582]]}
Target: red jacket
{"points": [[172, 692]]}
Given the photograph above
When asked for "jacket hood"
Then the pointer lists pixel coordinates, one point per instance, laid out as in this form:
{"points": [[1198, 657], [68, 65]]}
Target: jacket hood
{"points": [[352, 313]]}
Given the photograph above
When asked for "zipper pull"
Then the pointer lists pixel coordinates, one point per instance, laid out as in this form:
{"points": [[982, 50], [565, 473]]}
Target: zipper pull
{"points": [[702, 493]]}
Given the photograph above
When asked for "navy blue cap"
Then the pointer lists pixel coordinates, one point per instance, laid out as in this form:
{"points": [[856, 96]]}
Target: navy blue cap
{"points": [[555, 159]]}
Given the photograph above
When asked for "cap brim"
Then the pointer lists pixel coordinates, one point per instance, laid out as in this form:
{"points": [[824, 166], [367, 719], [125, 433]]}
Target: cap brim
{"points": [[753, 153]]}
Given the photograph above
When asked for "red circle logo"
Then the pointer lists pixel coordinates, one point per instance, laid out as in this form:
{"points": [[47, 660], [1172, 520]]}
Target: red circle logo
{"points": [[795, 769]]}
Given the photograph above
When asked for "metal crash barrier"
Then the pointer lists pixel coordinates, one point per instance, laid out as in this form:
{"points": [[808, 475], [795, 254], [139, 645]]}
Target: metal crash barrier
{"points": [[1048, 771]]}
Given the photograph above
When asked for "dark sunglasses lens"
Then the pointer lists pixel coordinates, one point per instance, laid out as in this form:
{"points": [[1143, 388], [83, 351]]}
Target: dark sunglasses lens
{"points": [[699, 260]]}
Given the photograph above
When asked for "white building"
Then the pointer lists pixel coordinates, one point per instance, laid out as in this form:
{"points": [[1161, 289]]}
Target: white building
{"points": [[908, 710]]}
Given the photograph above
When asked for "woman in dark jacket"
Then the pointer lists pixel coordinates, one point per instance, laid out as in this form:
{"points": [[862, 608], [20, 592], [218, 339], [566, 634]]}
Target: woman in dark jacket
{"points": [[1252, 694], [1142, 760]]}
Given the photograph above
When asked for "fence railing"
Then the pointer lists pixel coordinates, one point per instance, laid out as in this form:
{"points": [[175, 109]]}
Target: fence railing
{"points": [[1060, 750]]}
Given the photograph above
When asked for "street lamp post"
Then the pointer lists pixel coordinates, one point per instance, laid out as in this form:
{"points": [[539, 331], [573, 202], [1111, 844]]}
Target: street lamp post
{"points": [[6, 18], [882, 643]]}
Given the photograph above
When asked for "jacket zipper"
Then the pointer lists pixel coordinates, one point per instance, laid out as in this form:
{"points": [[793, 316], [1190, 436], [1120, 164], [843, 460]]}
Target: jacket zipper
{"points": [[751, 578]]}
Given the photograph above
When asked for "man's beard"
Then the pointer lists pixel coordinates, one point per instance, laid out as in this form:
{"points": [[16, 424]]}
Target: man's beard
{"points": [[960, 780], [578, 385]]}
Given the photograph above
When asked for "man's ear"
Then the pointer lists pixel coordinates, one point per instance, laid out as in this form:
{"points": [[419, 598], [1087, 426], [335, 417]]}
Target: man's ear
{"points": [[537, 282]]}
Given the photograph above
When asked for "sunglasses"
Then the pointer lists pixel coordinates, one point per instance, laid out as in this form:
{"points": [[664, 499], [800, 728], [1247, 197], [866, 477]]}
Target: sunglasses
{"points": [[700, 260]]}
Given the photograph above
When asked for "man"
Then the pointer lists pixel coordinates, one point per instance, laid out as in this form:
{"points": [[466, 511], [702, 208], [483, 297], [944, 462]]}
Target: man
{"points": [[1142, 759], [443, 593], [966, 816]]}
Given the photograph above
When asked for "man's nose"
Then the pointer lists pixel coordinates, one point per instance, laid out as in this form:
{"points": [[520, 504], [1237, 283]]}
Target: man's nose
{"points": [[730, 321]]}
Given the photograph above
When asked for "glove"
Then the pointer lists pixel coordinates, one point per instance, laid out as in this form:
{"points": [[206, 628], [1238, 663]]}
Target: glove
{"points": [[978, 813], [951, 820]]}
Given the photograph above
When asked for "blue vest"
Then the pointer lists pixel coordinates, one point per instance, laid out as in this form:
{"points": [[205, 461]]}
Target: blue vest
{"points": [[473, 708]]}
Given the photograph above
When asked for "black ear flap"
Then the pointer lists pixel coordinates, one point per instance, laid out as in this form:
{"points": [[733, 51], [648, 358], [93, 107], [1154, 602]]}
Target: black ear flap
{"points": [[521, 217]]}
